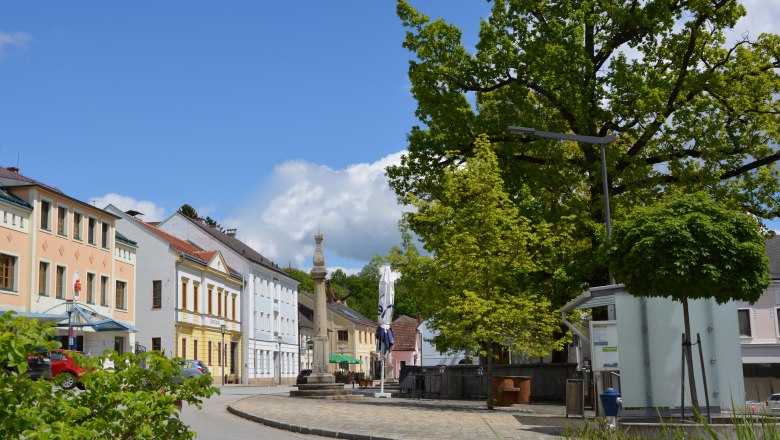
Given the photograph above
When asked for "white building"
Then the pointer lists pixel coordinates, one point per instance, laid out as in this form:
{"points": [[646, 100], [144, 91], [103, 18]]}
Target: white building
{"points": [[184, 297], [759, 333], [270, 298]]}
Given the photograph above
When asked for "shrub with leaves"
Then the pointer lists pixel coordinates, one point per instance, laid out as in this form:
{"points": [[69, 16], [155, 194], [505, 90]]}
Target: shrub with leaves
{"points": [[133, 400]]}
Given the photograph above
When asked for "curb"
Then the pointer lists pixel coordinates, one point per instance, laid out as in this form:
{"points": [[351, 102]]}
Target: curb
{"points": [[302, 429]]}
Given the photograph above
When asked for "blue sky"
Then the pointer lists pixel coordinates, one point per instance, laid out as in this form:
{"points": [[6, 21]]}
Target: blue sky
{"points": [[273, 117]]}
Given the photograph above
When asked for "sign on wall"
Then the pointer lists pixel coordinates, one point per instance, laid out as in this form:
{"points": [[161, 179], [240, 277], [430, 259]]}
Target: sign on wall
{"points": [[604, 345]]}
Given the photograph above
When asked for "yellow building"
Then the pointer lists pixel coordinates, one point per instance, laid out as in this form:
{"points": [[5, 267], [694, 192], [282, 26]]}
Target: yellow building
{"points": [[189, 300], [349, 333]]}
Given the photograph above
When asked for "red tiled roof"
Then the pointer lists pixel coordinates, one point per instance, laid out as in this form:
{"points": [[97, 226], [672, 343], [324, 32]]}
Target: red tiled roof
{"points": [[404, 333], [205, 255], [177, 243]]}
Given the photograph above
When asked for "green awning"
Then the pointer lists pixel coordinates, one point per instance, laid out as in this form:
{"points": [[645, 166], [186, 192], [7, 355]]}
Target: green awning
{"points": [[341, 358]]}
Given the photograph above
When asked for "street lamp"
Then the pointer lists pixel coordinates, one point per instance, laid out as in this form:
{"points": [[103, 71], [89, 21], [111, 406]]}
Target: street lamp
{"points": [[69, 309], [601, 141], [222, 329]]}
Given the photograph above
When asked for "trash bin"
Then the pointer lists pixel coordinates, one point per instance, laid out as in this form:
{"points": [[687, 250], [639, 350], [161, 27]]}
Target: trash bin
{"points": [[610, 400]]}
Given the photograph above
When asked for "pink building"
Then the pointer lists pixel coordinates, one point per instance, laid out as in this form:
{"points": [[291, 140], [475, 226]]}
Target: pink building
{"points": [[48, 240], [407, 341], [759, 331]]}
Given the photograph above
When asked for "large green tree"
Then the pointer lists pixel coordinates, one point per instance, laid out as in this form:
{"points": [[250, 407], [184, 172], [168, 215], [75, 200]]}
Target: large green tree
{"points": [[483, 253], [689, 111], [134, 400], [690, 247]]}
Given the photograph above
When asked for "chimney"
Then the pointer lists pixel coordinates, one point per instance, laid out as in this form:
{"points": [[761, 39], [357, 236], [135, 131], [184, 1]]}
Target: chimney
{"points": [[13, 169]]}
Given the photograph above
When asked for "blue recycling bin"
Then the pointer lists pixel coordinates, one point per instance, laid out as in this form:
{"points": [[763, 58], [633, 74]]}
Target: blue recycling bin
{"points": [[609, 400]]}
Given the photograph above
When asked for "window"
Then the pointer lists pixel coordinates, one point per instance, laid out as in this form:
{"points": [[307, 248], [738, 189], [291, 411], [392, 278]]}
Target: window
{"points": [[195, 298], [45, 213], [219, 303], [60, 286], [210, 301], [7, 272], [184, 294], [234, 307], [92, 231], [105, 233], [343, 336], [219, 350], [104, 290], [184, 348], [62, 217], [77, 226], [225, 309], [208, 345], [195, 349], [743, 316], [156, 294], [777, 318], [43, 278], [90, 288], [121, 288], [157, 344]]}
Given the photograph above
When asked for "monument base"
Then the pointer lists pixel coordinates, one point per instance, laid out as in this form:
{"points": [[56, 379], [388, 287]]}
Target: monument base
{"points": [[385, 395], [315, 378], [333, 391]]}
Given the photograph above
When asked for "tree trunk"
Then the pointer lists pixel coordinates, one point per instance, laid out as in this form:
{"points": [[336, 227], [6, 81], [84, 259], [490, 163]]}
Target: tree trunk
{"points": [[489, 376], [689, 356]]}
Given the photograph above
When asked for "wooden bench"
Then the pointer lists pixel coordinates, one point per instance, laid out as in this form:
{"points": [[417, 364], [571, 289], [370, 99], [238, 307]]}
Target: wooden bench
{"points": [[365, 383]]}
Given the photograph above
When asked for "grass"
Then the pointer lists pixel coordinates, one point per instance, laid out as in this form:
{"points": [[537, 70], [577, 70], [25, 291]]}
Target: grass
{"points": [[746, 427]]}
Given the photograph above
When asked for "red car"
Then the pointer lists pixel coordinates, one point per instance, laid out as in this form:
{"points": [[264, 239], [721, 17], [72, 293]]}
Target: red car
{"points": [[62, 365]]}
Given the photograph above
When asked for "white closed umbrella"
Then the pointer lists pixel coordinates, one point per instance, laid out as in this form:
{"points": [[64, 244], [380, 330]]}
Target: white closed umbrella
{"points": [[384, 333]]}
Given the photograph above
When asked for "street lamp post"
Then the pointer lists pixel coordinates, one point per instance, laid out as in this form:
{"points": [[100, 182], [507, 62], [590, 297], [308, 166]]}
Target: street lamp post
{"points": [[222, 329], [69, 309], [601, 141]]}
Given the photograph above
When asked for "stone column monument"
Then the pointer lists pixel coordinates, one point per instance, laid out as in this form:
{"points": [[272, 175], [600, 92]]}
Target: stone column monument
{"points": [[320, 372], [321, 384]]}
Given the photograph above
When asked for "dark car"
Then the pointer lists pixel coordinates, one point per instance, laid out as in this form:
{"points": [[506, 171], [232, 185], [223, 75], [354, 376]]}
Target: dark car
{"points": [[38, 365], [64, 370], [303, 377]]}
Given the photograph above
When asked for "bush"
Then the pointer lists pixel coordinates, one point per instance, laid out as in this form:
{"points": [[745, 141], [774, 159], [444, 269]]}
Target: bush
{"points": [[134, 400]]}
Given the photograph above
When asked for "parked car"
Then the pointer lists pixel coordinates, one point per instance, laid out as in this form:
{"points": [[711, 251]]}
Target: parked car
{"points": [[64, 370], [303, 377], [192, 368], [38, 365], [773, 402]]}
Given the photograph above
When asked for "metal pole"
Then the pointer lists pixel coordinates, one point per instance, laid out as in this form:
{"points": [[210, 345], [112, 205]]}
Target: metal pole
{"points": [[704, 378], [682, 381], [222, 356], [605, 184]]}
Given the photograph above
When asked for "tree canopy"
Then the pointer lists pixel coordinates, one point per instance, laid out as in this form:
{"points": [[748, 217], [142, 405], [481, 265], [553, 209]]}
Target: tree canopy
{"points": [[483, 254], [690, 112], [690, 247]]}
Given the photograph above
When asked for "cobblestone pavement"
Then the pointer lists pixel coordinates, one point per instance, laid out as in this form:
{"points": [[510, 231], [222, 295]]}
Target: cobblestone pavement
{"points": [[405, 419]]}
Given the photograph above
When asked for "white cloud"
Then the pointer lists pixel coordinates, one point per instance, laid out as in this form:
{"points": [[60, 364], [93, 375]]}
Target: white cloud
{"points": [[151, 211], [762, 16], [354, 209], [16, 39]]}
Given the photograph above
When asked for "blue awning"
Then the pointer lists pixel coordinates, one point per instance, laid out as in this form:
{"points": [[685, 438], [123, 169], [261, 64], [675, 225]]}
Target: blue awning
{"points": [[84, 316], [43, 317]]}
